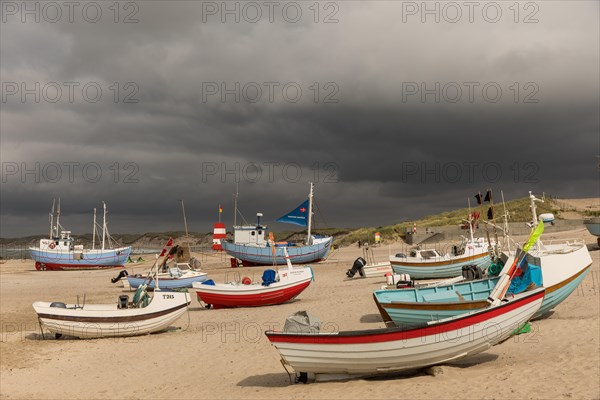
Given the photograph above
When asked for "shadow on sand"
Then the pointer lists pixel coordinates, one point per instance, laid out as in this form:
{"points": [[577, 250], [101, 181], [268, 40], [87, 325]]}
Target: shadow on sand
{"points": [[371, 318], [266, 380]]}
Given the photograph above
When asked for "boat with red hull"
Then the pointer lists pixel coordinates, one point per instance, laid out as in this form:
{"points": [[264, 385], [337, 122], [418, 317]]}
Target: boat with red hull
{"points": [[286, 285]]}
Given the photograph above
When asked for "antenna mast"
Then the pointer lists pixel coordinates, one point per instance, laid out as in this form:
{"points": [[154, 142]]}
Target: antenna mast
{"points": [[103, 225], [52, 219]]}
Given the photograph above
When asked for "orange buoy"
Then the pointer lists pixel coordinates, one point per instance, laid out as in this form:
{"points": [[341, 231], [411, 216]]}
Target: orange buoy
{"points": [[246, 280]]}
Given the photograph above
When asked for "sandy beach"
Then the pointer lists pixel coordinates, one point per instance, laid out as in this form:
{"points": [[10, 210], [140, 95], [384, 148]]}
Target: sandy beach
{"points": [[223, 354]]}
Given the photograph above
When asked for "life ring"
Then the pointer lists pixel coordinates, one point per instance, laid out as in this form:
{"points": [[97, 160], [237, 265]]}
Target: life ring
{"points": [[52, 245], [246, 281]]}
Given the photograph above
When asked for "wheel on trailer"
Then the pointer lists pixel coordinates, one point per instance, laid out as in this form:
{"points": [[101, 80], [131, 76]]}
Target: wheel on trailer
{"points": [[57, 335], [598, 241]]}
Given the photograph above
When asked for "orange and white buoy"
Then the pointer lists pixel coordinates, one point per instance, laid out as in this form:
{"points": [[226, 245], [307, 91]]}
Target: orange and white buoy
{"points": [[414, 228], [219, 233]]}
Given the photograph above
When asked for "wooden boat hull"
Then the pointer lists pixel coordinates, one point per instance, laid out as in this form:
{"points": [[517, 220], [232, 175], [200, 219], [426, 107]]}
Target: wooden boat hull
{"points": [[229, 296], [388, 350], [562, 274], [256, 255], [439, 268], [54, 260], [97, 321]]}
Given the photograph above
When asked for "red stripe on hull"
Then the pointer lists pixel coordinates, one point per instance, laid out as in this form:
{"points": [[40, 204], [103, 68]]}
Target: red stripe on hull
{"points": [[62, 267], [395, 335], [252, 300]]}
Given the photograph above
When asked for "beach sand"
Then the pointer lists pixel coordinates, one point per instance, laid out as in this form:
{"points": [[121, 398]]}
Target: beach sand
{"points": [[223, 354]]}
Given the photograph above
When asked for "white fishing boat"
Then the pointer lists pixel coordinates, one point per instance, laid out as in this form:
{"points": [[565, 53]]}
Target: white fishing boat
{"points": [[142, 315], [350, 354]]}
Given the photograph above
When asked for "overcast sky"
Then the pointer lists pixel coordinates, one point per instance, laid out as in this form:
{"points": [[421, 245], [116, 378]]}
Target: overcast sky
{"points": [[391, 113]]}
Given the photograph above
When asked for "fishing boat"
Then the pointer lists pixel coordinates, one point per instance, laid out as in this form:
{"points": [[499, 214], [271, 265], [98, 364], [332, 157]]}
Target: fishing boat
{"points": [[350, 354], [123, 318], [59, 251], [251, 246], [593, 227], [142, 315], [276, 287], [433, 263], [178, 276], [563, 267]]}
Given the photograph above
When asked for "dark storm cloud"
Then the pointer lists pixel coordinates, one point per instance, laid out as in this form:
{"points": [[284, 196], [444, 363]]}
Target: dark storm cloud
{"points": [[393, 155]]}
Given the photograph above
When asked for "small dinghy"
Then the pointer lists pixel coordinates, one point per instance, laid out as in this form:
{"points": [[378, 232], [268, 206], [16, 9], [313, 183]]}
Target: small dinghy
{"points": [[142, 315], [178, 275], [276, 287], [350, 354]]}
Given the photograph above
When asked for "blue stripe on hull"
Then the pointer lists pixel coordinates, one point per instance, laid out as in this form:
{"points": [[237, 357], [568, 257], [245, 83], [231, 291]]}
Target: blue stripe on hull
{"points": [[440, 271], [264, 255], [106, 258]]}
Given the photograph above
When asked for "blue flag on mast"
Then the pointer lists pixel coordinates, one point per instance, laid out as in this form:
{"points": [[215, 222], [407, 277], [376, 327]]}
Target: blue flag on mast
{"points": [[298, 216]]}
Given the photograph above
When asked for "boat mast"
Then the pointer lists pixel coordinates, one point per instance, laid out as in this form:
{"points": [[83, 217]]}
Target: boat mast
{"points": [[57, 217], [184, 219], [505, 217], [103, 225], [235, 197], [52, 219], [310, 201], [94, 231], [470, 221]]}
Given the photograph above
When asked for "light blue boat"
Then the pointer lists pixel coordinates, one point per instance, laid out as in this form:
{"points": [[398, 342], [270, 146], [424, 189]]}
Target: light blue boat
{"points": [[593, 226], [418, 305], [252, 247], [178, 277], [263, 255]]}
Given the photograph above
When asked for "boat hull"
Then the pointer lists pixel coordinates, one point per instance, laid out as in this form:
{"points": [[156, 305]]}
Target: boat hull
{"points": [[593, 226], [167, 283], [256, 255], [97, 321], [229, 295], [439, 269], [72, 260], [389, 350]]}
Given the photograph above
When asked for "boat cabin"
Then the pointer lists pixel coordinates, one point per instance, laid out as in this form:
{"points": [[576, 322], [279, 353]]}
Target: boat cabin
{"points": [[425, 254], [250, 234], [64, 242]]}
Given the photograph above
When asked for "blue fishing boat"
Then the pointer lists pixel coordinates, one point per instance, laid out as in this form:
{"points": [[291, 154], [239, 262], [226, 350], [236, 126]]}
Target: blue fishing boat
{"points": [[563, 267], [251, 246], [593, 227], [59, 251]]}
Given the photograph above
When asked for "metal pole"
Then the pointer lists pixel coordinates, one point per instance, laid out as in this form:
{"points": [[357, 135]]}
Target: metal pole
{"points": [[103, 225], [310, 200], [94, 232]]}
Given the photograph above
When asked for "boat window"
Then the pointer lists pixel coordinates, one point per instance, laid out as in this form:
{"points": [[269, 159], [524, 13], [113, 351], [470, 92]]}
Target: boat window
{"points": [[253, 233], [413, 253], [260, 232], [428, 254]]}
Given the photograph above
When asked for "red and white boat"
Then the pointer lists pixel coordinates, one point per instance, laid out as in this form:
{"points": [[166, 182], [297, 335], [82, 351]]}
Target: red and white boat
{"points": [[344, 355], [288, 283]]}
